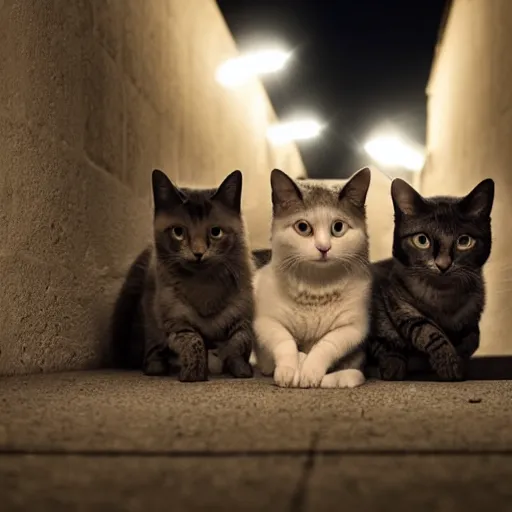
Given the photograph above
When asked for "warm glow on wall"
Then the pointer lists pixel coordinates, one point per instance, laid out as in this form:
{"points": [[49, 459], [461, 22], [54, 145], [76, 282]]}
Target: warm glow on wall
{"points": [[283, 133], [238, 71], [392, 151]]}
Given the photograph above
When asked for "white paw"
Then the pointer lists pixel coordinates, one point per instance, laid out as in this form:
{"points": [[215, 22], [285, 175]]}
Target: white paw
{"points": [[284, 376], [343, 379], [310, 375], [296, 377]]}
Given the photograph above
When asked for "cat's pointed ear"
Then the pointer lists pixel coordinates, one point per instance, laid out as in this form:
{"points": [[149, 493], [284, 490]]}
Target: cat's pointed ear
{"points": [[165, 195], [356, 188], [285, 192], [405, 199], [478, 203], [229, 192]]}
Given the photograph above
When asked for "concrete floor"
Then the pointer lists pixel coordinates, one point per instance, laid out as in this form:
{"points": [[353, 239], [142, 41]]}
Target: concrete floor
{"points": [[125, 442]]}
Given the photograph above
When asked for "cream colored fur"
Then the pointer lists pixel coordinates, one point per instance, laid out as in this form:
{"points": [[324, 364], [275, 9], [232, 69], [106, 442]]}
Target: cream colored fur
{"points": [[312, 316]]}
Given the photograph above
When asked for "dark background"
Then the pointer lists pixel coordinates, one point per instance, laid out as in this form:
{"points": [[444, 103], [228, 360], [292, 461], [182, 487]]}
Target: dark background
{"points": [[357, 65]]}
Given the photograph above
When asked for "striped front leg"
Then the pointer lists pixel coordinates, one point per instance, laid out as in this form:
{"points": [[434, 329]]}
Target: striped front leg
{"points": [[428, 338], [236, 350]]}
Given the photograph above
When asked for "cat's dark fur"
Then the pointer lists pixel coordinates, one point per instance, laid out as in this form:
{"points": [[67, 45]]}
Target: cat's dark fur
{"points": [[192, 290], [261, 257], [427, 302]]}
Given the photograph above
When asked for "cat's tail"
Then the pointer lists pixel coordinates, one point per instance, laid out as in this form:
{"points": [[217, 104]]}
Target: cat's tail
{"points": [[126, 311]]}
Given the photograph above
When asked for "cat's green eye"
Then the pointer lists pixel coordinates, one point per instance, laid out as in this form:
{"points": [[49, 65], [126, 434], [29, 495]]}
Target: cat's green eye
{"points": [[178, 233], [465, 242], [337, 228], [216, 232], [421, 241], [303, 228]]}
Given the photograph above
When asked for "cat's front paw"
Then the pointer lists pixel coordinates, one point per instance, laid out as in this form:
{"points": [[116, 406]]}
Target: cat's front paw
{"points": [[284, 376], [310, 376], [449, 368], [239, 368], [393, 368], [155, 368], [193, 359], [197, 372], [343, 379]]}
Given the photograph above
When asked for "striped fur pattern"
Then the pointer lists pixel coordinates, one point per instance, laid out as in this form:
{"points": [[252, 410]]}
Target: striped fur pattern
{"points": [[188, 299], [428, 299]]}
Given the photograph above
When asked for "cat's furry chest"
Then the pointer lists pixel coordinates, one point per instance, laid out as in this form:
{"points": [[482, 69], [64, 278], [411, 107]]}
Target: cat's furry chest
{"points": [[452, 310], [213, 321], [308, 324], [310, 314]]}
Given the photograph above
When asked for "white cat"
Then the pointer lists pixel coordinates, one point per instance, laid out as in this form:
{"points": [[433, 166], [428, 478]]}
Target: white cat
{"points": [[313, 298]]}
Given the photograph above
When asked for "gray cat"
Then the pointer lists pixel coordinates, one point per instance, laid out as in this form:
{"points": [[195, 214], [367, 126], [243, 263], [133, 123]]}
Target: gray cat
{"points": [[190, 294], [428, 299]]}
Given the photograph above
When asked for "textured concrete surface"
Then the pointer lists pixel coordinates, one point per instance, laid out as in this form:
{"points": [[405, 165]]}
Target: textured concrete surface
{"points": [[136, 484], [433, 483], [469, 118], [94, 94], [122, 441]]}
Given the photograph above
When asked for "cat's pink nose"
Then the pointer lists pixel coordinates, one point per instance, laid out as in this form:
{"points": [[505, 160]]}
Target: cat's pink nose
{"points": [[324, 249]]}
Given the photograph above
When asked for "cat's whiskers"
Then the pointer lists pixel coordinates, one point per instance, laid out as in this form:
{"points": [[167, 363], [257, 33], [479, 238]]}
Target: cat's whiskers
{"points": [[309, 291], [415, 301], [289, 262], [191, 277]]}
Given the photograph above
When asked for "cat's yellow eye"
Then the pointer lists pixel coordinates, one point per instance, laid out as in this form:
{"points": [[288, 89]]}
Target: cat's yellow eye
{"points": [[303, 228], [337, 228], [178, 233], [216, 232], [465, 242], [421, 241]]}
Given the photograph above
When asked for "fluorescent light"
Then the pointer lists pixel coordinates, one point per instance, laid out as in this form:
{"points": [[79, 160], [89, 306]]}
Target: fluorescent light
{"points": [[283, 133], [392, 151], [237, 71]]}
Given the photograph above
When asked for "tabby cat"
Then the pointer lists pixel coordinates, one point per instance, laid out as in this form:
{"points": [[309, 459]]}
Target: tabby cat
{"points": [[428, 299], [189, 296], [313, 297]]}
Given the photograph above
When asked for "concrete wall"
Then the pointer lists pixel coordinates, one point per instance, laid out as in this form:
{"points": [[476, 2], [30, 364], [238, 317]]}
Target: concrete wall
{"points": [[94, 94], [470, 137]]}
